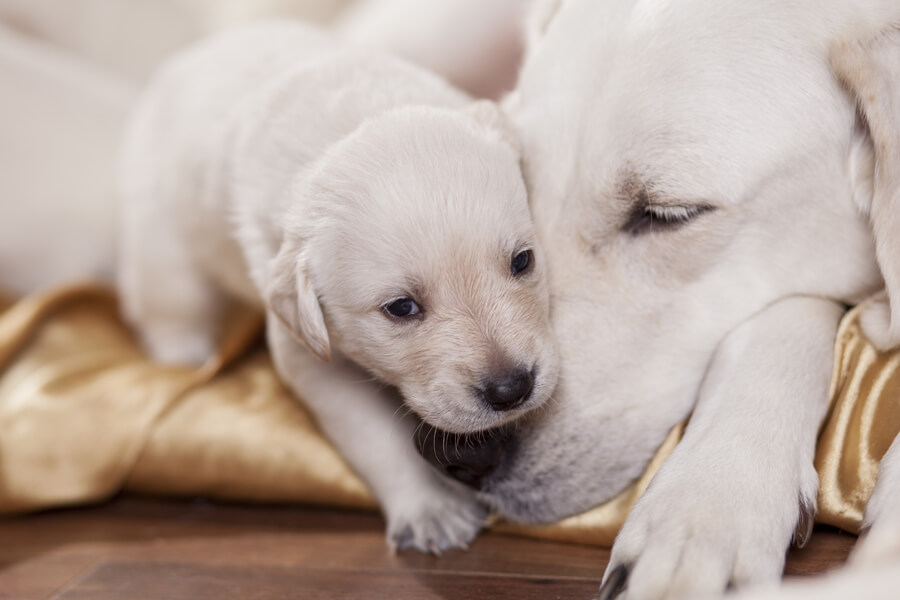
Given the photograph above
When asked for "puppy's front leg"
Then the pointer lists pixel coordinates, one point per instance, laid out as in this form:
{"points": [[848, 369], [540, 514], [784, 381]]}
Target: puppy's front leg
{"points": [[724, 506], [374, 433], [165, 296]]}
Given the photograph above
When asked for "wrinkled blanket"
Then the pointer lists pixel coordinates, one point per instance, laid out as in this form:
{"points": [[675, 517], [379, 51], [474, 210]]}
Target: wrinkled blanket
{"points": [[84, 415]]}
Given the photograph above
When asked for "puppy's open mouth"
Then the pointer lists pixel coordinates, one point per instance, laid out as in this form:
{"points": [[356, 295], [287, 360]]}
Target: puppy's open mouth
{"points": [[469, 458]]}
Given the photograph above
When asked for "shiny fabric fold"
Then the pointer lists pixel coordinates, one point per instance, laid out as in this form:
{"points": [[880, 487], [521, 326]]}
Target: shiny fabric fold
{"points": [[863, 420], [84, 415]]}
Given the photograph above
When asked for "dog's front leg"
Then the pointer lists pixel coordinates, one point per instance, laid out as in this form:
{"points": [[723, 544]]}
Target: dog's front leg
{"points": [[722, 509], [374, 433]]}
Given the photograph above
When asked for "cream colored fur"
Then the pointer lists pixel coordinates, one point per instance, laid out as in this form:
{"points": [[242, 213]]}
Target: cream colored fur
{"points": [[870, 68], [475, 44], [277, 166], [728, 120]]}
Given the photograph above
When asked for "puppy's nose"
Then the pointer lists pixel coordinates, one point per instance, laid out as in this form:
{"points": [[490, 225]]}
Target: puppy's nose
{"points": [[469, 459], [509, 391]]}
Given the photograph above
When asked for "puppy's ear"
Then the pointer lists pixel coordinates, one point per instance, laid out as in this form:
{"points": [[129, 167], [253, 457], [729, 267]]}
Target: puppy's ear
{"points": [[488, 114], [291, 298], [870, 69]]}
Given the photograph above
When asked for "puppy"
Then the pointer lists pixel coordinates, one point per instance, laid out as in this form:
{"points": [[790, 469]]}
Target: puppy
{"points": [[712, 182], [380, 220]]}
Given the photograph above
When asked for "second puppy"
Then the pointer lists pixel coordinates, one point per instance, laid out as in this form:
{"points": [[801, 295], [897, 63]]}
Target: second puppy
{"points": [[378, 216]]}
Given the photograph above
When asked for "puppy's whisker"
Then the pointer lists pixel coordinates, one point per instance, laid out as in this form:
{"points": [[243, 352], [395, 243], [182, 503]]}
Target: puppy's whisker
{"points": [[418, 428], [444, 445], [434, 448], [367, 380], [402, 412], [402, 408]]}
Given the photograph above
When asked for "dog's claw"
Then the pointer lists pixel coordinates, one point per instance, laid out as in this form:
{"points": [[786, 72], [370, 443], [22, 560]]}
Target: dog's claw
{"points": [[401, 540], [804, 525], [615, 584]]}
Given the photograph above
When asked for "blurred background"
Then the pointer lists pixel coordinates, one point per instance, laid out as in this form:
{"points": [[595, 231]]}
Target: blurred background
{"points": [[71, 69]]}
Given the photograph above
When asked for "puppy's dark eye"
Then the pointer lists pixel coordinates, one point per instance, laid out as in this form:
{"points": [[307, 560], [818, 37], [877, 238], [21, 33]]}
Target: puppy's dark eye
{"points": [[402, 308], [521, 263], [649, 218]]}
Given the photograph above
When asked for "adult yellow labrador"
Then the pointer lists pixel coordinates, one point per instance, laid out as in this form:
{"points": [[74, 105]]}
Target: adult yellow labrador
{"points": [[712, 182]]}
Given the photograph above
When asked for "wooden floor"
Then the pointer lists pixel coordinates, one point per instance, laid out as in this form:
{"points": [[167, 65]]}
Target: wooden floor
{"points": [[135, 549]]}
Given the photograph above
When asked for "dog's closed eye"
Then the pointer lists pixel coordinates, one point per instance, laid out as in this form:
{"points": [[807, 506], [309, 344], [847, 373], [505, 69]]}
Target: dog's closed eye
{"points": [[648, 218]]}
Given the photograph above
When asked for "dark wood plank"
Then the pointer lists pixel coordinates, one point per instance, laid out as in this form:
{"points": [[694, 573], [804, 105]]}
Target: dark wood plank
{"points": [[827, 549], [115, 580], [205, 548], [42, 576], [319, 537]]}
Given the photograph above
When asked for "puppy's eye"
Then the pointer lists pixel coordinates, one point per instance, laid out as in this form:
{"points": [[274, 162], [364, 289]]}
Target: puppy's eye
{"points": [[521, 263], [402, 308], [654, 217]]}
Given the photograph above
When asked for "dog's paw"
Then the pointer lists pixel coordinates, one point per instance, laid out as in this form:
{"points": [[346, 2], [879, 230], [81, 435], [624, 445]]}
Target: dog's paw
{"points": [[696, 532], [435, 519]]}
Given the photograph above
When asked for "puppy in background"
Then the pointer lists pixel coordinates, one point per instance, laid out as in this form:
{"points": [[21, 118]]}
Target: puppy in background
{"points": [[380, 218]]}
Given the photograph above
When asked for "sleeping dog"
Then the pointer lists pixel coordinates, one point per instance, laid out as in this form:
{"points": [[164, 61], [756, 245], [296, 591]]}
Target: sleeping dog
{"points": [[380, 219], [712, 182]]}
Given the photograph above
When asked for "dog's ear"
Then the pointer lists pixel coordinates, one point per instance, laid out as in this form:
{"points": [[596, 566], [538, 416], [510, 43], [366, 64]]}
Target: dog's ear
{"points": [[870, 69], [488, 114], [291, 298]]}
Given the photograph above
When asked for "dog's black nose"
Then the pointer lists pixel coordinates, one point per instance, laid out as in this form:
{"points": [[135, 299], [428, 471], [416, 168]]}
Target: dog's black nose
{"points": [[510, 390], [468, 458]]}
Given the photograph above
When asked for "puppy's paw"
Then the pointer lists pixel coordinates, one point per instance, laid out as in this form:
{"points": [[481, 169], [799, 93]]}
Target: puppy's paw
{"points": [[695, 532], [435, 518]]}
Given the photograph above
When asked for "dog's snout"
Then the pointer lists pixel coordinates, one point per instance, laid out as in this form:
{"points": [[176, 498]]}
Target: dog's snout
{"points": [[468, 458], [510, 390]]}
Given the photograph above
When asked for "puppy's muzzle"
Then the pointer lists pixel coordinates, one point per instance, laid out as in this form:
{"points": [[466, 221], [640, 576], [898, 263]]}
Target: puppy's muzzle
{"points": [[468, 458], [508, 391]]}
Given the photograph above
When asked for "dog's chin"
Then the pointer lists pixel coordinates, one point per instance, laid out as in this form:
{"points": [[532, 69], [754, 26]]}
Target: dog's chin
{"points": [[555, 464], [533, 509], [542, 497]]}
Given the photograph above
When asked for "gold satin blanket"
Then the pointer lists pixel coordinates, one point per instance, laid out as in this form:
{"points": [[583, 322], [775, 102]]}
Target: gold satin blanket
{"points": [[84, 415]]}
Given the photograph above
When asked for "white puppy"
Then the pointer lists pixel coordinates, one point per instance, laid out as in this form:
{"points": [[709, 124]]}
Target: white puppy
{"points": [[709, 198], [382, 223]]}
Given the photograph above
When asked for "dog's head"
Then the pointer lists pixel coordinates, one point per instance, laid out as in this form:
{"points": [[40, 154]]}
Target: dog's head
{"points": [[688, 165], [416, 257]]}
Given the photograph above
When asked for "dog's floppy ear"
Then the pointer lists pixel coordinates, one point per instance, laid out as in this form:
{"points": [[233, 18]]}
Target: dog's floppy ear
{"points": [[488, 114], [870, 70], [291, 298]]}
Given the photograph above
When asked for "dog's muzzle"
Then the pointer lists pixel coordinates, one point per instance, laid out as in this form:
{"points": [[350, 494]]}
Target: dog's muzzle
{"points": [[469, 458]]}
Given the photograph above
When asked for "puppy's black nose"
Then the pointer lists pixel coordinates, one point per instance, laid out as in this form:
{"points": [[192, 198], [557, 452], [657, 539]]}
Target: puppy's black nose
{"points": [[510, 390], [469, 459]]}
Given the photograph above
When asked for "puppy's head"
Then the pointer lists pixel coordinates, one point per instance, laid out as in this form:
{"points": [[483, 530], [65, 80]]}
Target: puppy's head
{"points": [[415, 256]]}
